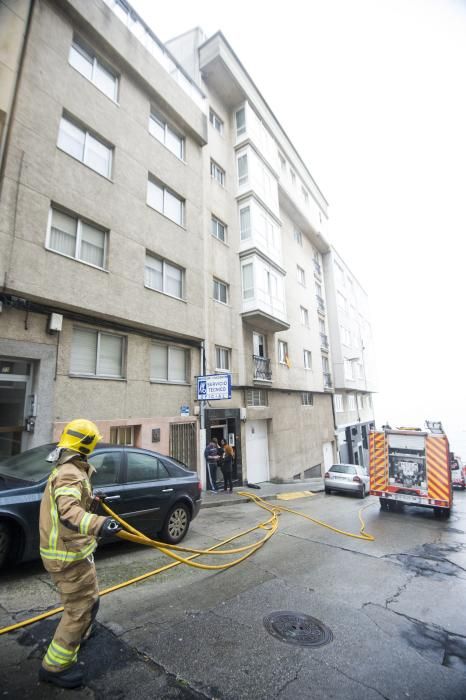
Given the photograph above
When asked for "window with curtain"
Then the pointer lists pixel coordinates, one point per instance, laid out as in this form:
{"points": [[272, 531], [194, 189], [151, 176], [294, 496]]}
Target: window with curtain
{"points": [[222, 358], [219, 230], [247, 273], [71, 236], [84, 61], [240, 121], [220, 291], [82, 145], [165, 201], [245, 223], [163, 276], [168, 363], [96, 354], [164, 133], [243, 169]]}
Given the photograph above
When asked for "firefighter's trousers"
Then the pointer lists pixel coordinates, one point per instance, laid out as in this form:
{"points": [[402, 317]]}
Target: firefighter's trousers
{"points": [[77, 585]]}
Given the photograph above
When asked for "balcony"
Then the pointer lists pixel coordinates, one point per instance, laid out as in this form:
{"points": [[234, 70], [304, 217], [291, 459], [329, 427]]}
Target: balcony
{"points": [[262, 371], [323, 341], [327, 380], [320, 304]]}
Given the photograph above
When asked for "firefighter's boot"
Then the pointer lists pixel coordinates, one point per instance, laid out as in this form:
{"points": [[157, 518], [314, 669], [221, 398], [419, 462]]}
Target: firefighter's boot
{"points": [[69, 678]]}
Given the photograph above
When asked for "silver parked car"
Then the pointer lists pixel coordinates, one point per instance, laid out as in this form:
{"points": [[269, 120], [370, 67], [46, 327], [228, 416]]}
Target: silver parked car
{"points": [[347, 477]]}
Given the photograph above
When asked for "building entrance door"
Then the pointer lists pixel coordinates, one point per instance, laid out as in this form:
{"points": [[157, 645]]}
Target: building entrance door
{"points": [[15, 383], [257, 451], [327, 448]]}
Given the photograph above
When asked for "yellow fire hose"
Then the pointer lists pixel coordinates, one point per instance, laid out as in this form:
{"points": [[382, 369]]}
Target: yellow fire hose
{"points": [[270, 525]]}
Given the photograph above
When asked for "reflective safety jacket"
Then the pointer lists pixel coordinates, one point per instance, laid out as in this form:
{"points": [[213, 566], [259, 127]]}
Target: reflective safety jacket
{"points": [[67, 529]]}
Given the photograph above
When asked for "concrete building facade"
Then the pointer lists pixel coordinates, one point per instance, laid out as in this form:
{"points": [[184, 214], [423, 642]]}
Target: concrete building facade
{"points": [[352, 359], [157, 224]]}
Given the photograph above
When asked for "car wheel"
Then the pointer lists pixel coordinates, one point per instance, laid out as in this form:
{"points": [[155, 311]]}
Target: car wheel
{"points": [[176, 524], [5, 542], [327, 490], [362, 493]]}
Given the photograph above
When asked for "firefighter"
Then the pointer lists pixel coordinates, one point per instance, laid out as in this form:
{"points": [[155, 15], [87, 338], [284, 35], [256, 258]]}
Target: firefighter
{"points": [[68, 531]]}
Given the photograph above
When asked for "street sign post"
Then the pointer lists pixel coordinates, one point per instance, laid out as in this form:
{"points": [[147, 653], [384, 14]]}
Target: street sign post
{"points": [[214, 387]]}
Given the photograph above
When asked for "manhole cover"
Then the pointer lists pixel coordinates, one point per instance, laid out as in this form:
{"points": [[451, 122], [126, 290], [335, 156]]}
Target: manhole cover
{"points": [[297, 628]]}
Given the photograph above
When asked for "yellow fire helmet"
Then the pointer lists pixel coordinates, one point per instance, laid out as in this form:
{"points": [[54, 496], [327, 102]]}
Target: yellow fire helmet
{"points": [[81, 435]]}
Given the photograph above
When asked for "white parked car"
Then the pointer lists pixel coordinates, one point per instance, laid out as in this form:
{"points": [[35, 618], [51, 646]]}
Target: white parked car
{"points": [[347, 477]]}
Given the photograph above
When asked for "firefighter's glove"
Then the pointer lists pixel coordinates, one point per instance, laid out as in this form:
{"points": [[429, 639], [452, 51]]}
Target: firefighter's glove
{"points": [[109, 528]]}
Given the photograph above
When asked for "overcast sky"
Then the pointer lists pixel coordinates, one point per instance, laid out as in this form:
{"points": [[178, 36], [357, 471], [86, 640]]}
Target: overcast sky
{"points": [[373, 95]]}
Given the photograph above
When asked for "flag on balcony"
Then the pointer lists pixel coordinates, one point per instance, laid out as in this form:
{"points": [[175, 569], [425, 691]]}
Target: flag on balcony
{"points": [[287, 361]]}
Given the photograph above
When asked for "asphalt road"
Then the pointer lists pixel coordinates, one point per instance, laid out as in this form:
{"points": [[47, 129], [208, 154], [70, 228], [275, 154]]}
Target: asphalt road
{"points": [[396, 609]]}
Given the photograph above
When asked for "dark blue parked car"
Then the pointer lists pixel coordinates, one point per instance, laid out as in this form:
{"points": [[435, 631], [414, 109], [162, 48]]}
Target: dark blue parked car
{"points": [[156, 494]]}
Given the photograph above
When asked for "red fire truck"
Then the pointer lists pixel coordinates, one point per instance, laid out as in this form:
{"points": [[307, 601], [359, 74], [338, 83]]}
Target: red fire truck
{"points": [[411, 466]]}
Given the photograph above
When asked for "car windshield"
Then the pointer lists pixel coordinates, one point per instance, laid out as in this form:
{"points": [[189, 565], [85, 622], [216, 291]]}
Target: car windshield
{"points": [[29, 465], [343, 469]]}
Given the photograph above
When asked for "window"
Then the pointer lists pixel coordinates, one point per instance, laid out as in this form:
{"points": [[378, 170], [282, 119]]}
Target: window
{"points": [[217, 173], [351, 402], [338, 401], [159, 128], [248, 281], [325, 364], [165, 201], [220, 291], [71, 236], [304, 316], [305, 194], [240, 121], [301, 275], [161, 275], [144, 467], [168, 363], [307, 399], [96, 354], [222, 358], [283, 352], [321, 325], [215, 120], [256, 397], [219, 230], [106, 465], [298, 236], [122, 435], [245, 223], [293, 178], [80, 144], [91, 68], [307, 359], [359, 400], [243, 169]]}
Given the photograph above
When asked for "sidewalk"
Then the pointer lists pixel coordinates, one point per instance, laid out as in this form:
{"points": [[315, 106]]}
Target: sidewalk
{"points": [[268, 491]]}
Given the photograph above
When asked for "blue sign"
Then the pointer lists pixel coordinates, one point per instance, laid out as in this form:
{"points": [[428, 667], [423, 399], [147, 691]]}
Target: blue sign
{"points": [[184, 410], [214, 387]]}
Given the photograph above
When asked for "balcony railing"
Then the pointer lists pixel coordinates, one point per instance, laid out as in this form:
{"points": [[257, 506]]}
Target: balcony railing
{"points": [[323, 341], [262, 369], [327, 380], [317, 268], [320, 303]]}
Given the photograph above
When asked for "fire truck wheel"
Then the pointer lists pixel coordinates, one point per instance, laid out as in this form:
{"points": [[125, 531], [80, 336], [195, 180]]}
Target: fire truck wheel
{"points": [[442, 513], [327, 490], [384, 504]]}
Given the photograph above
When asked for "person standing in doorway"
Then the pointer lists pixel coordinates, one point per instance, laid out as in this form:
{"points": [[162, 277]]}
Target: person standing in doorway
{"points": [[68, 531], [212, 458], [227, 467]]}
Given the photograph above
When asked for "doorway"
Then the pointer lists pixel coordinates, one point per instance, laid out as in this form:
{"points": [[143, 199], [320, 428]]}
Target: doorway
{"points": [[15, 389], [257, 451]]}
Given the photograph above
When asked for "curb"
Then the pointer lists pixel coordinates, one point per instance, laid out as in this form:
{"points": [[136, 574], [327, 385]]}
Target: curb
{"points": [[240, 499]]}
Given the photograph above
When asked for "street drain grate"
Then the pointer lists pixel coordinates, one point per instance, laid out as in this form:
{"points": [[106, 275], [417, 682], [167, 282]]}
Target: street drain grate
{"points": [[297, 628]]}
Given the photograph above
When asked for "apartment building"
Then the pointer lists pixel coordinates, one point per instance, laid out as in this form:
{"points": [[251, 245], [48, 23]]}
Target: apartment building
{"points": [[157, 224], [352, 359], [101, 245]]}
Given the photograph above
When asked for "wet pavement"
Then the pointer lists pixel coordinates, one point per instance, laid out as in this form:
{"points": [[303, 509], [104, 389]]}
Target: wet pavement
{"points": [[396, 608]]}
